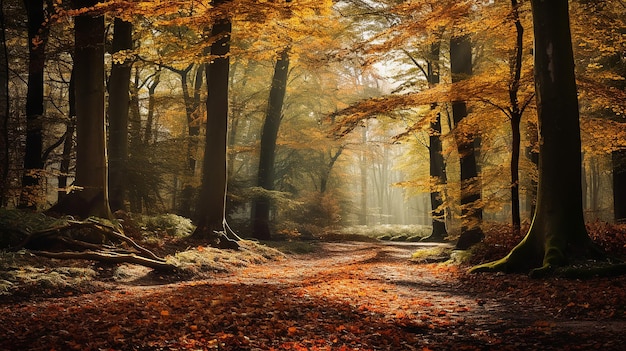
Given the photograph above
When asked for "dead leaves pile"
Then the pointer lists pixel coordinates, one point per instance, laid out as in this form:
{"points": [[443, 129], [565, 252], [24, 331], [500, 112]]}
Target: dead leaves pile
{"points": [[364, 296]]}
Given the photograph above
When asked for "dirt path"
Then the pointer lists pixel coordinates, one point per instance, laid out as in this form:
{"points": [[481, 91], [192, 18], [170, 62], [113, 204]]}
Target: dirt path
{"points": [[347, 296]]}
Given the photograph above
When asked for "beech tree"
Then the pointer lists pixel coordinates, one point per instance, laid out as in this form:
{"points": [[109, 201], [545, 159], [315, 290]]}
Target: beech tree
{"points": [[33, 161], [558, 233], [210, 210], [90, 195], [471, 211], [119, 99], [437, 169], [265, 178]]}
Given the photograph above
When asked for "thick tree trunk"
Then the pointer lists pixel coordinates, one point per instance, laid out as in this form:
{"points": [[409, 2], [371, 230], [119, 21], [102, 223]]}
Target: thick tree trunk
{"points": [[4, 110], [210, 210], [265, 179], [558, 231], [91, 160], [33, 162], [471, 211], [118, 115]]}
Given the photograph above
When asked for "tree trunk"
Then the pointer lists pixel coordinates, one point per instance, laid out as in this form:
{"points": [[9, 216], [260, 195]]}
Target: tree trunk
{"points": [[210, 210], [265, 179], [136, 144], [33, 162], [4, 110], [325, 176], [533, 144], [558, 231], [471, 212], [619, 185], [516, 115], [438, 177], [118, 115], [68, 143], [148, 132], [91, 163], [363, 177]]}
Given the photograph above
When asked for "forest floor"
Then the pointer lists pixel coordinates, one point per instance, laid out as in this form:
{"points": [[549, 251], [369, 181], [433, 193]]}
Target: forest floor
{"points": [[340, 296]]}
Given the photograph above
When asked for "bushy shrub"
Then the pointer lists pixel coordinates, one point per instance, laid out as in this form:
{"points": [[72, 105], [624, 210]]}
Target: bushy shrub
{"points": [[318, 209]]}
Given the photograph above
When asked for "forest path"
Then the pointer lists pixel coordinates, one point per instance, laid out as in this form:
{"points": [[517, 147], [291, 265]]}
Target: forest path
{"points": [[345, 296]]}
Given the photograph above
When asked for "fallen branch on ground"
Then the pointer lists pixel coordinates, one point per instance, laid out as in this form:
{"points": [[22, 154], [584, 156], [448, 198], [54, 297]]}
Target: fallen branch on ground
{"points": [[72, 247]]}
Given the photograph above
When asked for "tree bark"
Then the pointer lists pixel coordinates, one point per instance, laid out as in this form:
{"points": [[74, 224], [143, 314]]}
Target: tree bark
{"points": [[33, 162], [265, 178], [4, 110], [558, 233], [533, 144], [68, 142], [516, 115], [619, 185], [210, 209], [437, 169], [92, 198], [119, 100], [471, 212]]}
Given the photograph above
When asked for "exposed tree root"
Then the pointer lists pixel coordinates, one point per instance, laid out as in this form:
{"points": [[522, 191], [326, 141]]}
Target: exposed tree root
{"points": [[86, 240], [107, 256], [556, 262]]}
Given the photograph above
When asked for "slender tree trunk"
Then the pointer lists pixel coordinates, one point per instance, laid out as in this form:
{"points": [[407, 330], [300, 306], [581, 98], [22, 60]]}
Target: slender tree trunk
{"points": [[326, 173], [363, 178], [516, 115], [558, 232], [4, 110], [118, 115], [265, 179], [595, 187], [619, 185], [210, 210], [438, 175], [33, 162], [147, 135], [91, 159], [68, 143], [471, 211], [533, 145], [136, 144]]}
